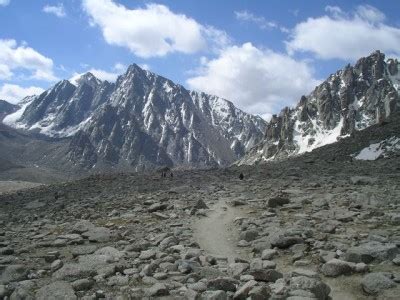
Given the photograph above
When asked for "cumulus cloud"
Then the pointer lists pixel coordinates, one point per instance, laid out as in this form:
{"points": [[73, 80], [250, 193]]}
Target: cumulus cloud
{"points": [[21, 57], [150, 31], [345, 35], [4, 2], [14, 93], [57, 10], [258, 81], [260, 21]]}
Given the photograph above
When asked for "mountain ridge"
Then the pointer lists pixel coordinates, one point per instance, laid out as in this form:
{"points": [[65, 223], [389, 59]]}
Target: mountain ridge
{"points": [[350, 100]]}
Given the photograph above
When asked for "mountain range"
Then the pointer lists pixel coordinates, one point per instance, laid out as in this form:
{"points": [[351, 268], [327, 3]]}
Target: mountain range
{"points": [[144, 121], [141, 121]]}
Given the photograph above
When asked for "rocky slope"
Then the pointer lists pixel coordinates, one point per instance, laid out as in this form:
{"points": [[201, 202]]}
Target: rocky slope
{"points": [[289, 230], [31, 157], [350, 100], [142, 121], [6, 109]]}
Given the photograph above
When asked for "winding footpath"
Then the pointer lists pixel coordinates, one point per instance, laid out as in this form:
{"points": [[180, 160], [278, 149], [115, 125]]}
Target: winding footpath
{"points": [[216, 233]]}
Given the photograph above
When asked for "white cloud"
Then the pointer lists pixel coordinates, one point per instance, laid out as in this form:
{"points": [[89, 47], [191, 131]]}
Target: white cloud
{"points": [[260, 21], [370, 13], [256, 80], [145, 67], [104, 75], [346, 36], [4, 2], [150, 31], [14, 93], [112, 76], [118, 67], [57, 10], [22, 57]]}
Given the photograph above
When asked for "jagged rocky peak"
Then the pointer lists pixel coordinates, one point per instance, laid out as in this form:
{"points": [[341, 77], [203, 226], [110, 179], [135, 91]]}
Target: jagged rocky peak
{"points": [[351, 99], [86, 78], [63, 109]]}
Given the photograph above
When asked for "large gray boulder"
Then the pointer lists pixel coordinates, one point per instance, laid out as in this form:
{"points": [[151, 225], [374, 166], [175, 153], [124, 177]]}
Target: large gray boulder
{"points": [[374, 283], [370, 251], [320, 289], [59, 290], [12, 273]]}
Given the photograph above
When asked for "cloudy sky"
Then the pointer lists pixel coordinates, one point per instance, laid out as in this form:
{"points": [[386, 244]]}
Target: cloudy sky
{"points": [[261, 55]]}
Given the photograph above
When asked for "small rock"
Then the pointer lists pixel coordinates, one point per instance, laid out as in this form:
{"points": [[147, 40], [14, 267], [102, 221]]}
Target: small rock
{"points": [[268, 254], [249, 235], [223, 283], [266, 275], [362, 180], [158, 289], [82, 284], [336, 267], [55, 265], [157, 206], [242, 292], [259, 293], [396, 260], [237, 269], [147, 254], [213, 295], [279, 200]]}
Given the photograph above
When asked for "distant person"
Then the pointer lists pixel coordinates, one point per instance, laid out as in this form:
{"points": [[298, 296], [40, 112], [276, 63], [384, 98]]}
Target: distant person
{"points": [[241, 176]]}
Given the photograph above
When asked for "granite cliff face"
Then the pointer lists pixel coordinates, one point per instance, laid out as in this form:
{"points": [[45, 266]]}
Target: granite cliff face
{"points": [[352, 99], [142, 121]]}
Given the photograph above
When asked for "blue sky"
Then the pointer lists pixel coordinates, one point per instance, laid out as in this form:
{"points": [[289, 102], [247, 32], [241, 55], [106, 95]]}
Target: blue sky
{"points": [[261, 55]]}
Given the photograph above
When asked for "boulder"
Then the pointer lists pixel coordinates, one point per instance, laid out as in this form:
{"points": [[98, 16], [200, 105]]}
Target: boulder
{"points": [[320, 289], [13, 273], [266, 275], [268, 254], [241, 293], [237, 269], [226, 284], [56, 290], [374, 283], [214, 295], [249, 235], [157, 290], [336, 267], [278, 200], [370, 251]]}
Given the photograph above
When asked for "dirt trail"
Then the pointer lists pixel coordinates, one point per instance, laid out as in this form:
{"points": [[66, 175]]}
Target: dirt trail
{"points": [[216, 233]]}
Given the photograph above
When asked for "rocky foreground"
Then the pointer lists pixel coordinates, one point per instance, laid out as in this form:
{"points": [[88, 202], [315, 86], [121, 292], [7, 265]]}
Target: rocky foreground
{"points": [[300, 229]]}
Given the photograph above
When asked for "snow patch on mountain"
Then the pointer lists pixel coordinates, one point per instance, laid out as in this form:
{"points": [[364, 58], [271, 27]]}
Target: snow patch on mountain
{"points": [[383, 149], [316, 136], [12, 119]]}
